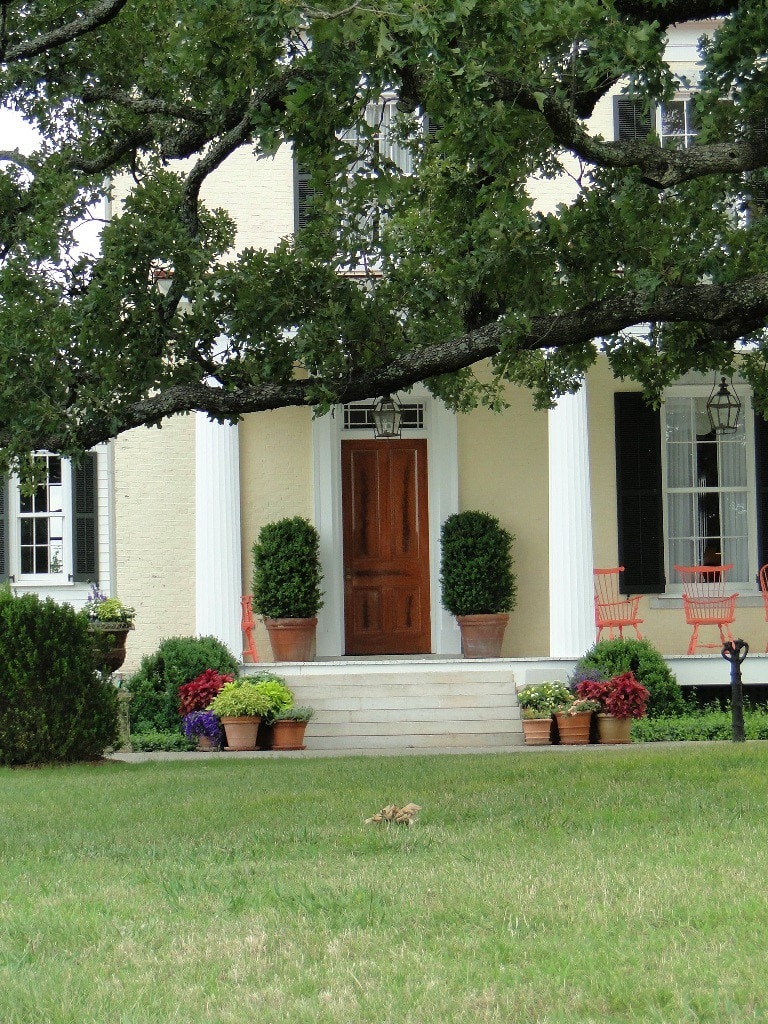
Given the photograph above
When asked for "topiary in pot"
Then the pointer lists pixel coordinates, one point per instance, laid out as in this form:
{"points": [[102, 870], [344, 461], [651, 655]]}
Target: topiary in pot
{"points": [[478, 585], [286, 586]]}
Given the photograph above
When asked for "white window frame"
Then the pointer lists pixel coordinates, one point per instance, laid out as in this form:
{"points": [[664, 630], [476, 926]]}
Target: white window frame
{"points": [[62, 579], [748, 586], [689, 132]]}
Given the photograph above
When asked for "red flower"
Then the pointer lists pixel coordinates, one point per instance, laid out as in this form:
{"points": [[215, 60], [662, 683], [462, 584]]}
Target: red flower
{"points": [[621, 696], [197, 695]]}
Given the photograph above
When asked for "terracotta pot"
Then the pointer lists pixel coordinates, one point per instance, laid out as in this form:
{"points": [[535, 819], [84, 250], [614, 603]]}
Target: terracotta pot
{"points": [[613, 730], [574, 728], [537, 731], [288, 735], [292, 639], [482, 635], [241, 733], [109, 643], [206, 743]]}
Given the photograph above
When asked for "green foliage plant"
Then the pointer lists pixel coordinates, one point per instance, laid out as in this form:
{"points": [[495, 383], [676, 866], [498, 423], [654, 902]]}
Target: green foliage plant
{"points": [[239, 699], [53, 705], [155, 686], [300, 714], [153, 739], [615, 657], [287, 572], [476, 565], [699, 726], [542, 700], [279, 697]]}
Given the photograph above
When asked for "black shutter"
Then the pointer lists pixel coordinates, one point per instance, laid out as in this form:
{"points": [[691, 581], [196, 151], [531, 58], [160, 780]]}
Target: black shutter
{"points": [[639, 494], [4, 568], [761, 488], [632, 118], [306, 196], [85, 542]]}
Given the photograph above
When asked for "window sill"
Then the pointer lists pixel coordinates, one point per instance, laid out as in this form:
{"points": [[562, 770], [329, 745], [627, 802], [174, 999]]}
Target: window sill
{"points": [[747, 599]]}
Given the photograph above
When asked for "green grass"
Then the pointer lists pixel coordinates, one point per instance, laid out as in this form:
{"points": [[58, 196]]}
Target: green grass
{"points": [[590, 886]]}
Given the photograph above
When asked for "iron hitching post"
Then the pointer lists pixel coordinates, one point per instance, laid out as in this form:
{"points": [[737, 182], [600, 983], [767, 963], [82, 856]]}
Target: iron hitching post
{"points": [[735, 651]]}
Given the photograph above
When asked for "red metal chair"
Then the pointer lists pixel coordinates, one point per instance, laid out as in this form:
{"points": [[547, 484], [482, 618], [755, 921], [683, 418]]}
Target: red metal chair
{"points": [[246, 625], [705, 601], [764, 592], [611, 610]]}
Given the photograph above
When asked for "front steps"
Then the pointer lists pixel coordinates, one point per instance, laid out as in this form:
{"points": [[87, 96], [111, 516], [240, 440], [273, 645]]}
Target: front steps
{"points": [[371, 706]]}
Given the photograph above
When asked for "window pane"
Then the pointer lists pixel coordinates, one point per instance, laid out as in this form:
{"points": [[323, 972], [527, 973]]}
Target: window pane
{"points": [[680, 513], [27, 564], [41, 498], [680, 553], [26, 531], [55, 493], [735, 550], [673, 118], [733, 462], [679, 466], [41, 559], [54, 469], [678, 419], [706, 464]]}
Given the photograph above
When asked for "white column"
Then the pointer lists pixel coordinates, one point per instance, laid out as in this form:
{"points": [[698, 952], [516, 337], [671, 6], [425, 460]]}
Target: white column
{"points": [[218, 568], [571, 589]]}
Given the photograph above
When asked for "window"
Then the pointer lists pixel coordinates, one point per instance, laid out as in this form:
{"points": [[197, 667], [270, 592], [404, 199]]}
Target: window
{"points": [[685, 495], [675, 121], [707, 489], [359, 416], [41, 549], [50, 537]]}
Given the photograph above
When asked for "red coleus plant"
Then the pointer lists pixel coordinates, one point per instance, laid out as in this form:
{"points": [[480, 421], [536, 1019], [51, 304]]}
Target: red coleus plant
{"points": [[197, 695], [621, 696]]}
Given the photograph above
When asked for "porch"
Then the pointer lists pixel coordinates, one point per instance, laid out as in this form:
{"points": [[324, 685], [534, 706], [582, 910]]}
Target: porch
{"points": [[428, 703]]}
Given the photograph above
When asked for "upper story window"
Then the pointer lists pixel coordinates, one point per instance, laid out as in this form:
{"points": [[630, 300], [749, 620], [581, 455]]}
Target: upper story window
{"points": [[674, 121]]}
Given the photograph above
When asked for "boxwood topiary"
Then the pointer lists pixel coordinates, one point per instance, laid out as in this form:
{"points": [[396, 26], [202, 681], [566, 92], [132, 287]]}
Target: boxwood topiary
{"points": [[54, 706], [612, 657], [476, 565], [155, 686], [287, 572]]}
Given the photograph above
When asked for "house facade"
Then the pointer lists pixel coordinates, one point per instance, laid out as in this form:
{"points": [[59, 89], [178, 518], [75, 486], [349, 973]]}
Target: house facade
{"points": [[601, 480]]}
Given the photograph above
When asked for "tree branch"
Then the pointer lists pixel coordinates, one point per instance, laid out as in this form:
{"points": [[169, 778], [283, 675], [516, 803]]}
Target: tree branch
{"points": [[100, 14]]}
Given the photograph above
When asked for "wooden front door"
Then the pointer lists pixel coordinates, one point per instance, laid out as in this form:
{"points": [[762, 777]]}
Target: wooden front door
{"points": [[386, 547]]}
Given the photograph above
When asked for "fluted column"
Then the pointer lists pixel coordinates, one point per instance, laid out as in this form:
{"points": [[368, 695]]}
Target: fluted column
{"points": [[218, 570], [571, 589]]}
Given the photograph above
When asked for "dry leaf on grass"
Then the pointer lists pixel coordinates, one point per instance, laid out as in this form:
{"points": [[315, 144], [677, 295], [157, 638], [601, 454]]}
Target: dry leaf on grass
{"points": [[400, 815]]}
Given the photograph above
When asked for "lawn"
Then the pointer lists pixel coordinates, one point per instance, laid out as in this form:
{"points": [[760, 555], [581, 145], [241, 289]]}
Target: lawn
{"points": [[564, 886]]}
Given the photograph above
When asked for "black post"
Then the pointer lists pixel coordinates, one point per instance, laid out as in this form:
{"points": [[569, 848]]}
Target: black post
{"points": [[735, 651]]}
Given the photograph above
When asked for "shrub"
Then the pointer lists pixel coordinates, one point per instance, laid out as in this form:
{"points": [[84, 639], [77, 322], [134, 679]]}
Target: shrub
{"points": [[155, 686], [154, 739], [704, 725], [197, 695], [615, 657], [54, 706], [476, 565], [287, 573]]}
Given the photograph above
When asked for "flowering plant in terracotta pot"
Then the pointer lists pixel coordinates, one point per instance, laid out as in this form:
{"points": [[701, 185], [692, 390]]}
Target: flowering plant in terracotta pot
{"points": [[203, 723], [620, 696], [542, 700], [580, 706], [100, 609]]}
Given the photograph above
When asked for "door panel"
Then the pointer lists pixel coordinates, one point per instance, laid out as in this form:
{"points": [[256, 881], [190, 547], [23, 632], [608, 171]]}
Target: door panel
{"points": [[386, 547]]}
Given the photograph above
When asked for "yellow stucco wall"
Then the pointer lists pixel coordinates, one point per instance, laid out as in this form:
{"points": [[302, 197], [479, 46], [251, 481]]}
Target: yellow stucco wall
{"points": [[275, 481], [503, 470], [155, 531]]}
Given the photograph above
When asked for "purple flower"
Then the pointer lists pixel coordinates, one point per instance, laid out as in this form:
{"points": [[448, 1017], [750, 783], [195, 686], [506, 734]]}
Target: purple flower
{"points": [[202, 723]]}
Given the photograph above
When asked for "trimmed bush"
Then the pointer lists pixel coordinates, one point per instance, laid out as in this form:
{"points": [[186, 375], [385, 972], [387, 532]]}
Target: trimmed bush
{"points": [[154, 740], [54, 706], [286, 570], [615, 657], [155, 686], [705, 725], [476, 565]]}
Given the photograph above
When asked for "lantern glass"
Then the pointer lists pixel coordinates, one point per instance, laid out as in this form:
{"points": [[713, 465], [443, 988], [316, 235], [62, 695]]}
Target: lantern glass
{"points": [[723, 408], [387, 417]]}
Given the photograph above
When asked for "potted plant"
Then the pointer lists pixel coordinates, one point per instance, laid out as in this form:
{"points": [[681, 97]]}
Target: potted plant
{"points": [[621, 698], [240, 706], [478, 585], [109, 622], [205, 727], [538, 702], [200, 691], [288, 728], [286, 586], [575, 720], [279, 698]]}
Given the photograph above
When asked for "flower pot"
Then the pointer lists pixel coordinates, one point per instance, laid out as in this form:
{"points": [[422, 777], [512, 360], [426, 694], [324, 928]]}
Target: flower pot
{"points": [[482, 635], [537, 731], [613, 730], [206, 743], [241, 733], [574, 728], [292, 639], [288, 735], [109, 643]]}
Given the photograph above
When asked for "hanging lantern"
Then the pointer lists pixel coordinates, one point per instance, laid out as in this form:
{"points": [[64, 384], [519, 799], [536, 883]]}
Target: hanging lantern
{"points": [[723, 408], [387, 417]]}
